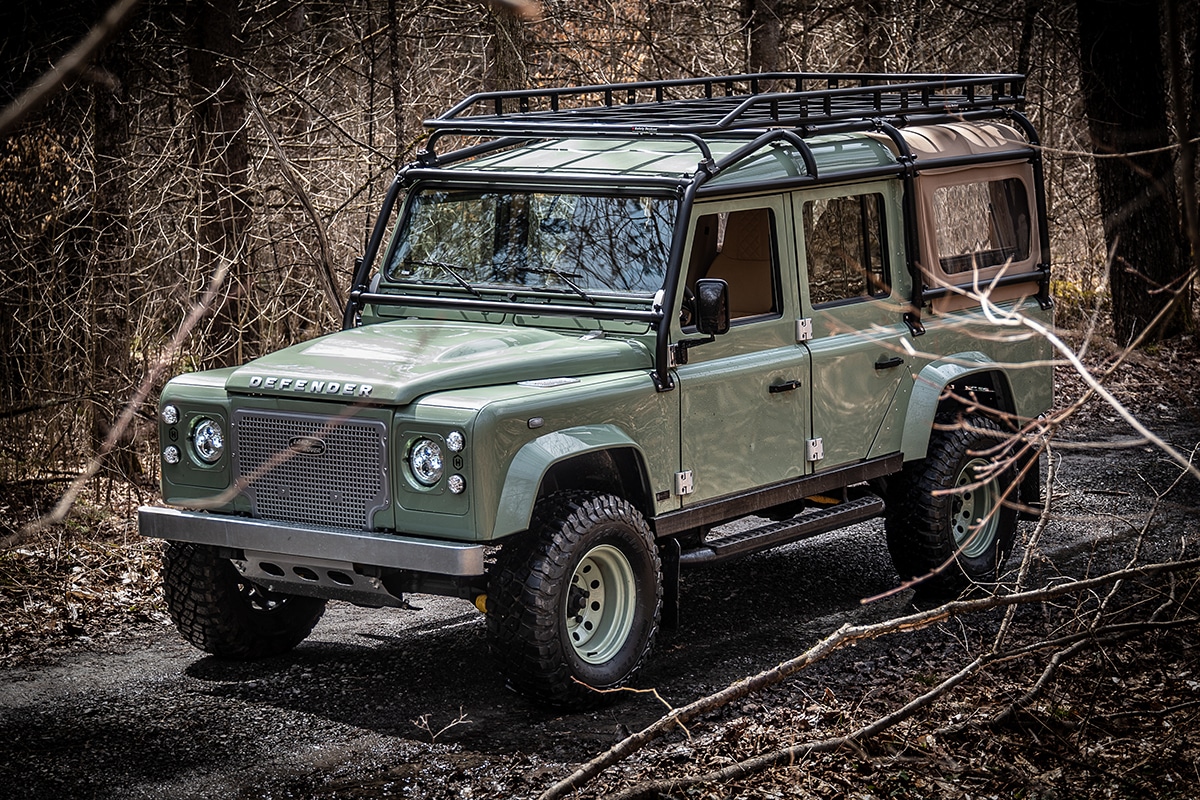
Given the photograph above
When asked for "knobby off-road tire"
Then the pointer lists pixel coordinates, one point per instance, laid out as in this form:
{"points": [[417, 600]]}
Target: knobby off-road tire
{"points": [[935, 508], [223, 614], [575, 601]]}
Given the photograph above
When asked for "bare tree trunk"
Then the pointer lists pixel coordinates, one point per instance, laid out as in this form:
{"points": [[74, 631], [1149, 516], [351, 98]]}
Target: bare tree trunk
{"points": [[1028, 27], [222, 163], [506, 53], [1124, 95], [109, 332], [875, 45], [764, 32], [394, 63]]}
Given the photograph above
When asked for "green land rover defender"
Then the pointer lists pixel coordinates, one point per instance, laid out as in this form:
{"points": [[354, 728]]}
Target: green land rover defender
{"points": [[616, 320]]}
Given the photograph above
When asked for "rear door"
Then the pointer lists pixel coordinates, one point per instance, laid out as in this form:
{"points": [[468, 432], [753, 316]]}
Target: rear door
{"points": [[853, 286]]}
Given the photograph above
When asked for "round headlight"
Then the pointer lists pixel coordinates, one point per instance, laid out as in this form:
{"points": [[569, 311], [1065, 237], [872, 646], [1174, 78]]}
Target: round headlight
{"points": [[170, 415], [455, 441], [425, 461], [208, 440]]}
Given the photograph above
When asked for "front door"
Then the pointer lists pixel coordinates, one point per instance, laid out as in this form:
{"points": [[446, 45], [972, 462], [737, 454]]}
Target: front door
{"points": [[744, 396]]}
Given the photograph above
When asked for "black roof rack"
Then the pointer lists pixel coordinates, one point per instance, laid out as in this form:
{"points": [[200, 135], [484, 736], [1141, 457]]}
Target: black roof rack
{"points": [[698, 106]]}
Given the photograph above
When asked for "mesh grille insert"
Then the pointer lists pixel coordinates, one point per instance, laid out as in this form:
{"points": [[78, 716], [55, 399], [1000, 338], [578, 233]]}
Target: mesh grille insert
{"points": [[317, 470]]}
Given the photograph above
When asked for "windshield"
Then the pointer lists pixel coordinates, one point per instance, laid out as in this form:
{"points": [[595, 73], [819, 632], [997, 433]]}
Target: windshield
{"points": [[575, 243]]}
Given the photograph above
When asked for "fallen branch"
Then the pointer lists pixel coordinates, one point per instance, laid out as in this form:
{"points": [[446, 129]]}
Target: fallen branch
{"points": [[791, 755], [843, 636]]}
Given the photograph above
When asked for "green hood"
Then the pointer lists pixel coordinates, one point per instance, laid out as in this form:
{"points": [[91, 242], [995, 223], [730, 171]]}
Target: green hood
{"points": [[397, 362]]}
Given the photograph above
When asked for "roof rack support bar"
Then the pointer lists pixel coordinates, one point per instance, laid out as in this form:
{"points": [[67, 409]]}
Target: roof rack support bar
{"points": [[663, 381], [485, 178], [908, 165], [758, 143], [362, 265], [799, 181], [1039, 193], [428, 157], [978, 158]]}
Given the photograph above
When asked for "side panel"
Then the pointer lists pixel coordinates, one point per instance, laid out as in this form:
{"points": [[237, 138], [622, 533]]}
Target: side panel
{"points": [[1020, 358]]}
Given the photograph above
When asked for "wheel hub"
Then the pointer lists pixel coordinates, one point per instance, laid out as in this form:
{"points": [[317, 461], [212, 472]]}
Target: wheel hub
{"points": [[975, 519], [599, 604]]}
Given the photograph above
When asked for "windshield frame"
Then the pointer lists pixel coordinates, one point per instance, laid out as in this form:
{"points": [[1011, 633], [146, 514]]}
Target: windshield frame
{"points": [[583, 297]]}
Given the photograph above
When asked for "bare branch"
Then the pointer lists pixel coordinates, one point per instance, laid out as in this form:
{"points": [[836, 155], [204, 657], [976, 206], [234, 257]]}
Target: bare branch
{"points": [[69, 67], [842, 637]]}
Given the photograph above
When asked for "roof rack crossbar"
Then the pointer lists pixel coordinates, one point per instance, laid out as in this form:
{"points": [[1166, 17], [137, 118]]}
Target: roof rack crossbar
{"points": [[710, 105]]}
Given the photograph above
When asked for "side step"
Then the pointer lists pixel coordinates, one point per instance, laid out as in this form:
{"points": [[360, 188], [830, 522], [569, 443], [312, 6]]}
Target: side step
{"points": [[808, 524]]}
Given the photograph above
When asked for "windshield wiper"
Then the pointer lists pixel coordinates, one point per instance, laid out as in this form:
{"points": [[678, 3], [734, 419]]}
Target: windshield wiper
{"points": [[562, 276], [452, 272]]}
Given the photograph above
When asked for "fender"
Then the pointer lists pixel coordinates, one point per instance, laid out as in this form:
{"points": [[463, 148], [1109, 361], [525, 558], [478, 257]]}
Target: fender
{"points": [[927, 392], [535, 458]]}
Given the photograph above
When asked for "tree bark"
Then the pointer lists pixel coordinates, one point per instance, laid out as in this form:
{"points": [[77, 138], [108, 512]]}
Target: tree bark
{"points": [[506, 53], [1124, 98], [222, 162], [875, 40], [397, 76], [111, 278], [764, 32]]}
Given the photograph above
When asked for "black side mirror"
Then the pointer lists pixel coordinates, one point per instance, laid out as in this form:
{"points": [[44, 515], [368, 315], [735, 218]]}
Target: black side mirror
{"points": [[712, 306]]}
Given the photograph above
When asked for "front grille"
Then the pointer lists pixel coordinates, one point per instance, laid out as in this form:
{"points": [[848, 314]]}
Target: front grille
{"points": [[312, 469]]}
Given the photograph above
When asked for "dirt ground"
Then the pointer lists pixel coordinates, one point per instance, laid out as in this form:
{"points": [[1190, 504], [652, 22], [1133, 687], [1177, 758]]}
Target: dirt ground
{"points": [[100, 698]]}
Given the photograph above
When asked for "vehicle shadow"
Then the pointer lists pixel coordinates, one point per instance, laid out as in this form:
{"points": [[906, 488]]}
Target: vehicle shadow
{"points": [[403, 675]]}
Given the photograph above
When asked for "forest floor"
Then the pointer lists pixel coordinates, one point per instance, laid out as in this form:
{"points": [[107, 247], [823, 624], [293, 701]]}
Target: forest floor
{"points": [[100, 698]]}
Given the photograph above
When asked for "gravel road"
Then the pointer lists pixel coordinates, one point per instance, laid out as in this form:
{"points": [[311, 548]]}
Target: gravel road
{"points": [[404, 703]]}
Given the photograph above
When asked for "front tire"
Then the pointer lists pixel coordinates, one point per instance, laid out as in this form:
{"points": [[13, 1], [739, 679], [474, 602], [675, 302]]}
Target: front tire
{"points": [[950, 510], [222, 613], [574, 605]]}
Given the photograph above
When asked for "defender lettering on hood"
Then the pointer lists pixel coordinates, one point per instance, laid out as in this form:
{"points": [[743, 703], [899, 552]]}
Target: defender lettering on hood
{"points": [[307, 386]]}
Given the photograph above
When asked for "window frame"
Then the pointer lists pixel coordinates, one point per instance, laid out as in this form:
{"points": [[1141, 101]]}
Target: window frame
{"points": [[930, 256], [772, 205], [886, 267]]}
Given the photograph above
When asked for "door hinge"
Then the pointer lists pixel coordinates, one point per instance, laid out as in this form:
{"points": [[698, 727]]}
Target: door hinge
{"points": [[816, 449], [683, 483], [804, 329]]}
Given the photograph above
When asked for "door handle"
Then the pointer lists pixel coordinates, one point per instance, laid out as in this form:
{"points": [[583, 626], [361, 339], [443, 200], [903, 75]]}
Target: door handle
{"points": [[894, 361], [776, 388]]}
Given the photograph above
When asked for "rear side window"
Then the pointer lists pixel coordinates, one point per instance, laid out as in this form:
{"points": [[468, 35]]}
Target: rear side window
{"points": [[981, 225], [843, 240]]}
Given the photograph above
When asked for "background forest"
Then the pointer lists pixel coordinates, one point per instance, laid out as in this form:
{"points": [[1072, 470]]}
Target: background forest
{"points": [[250, 142]]}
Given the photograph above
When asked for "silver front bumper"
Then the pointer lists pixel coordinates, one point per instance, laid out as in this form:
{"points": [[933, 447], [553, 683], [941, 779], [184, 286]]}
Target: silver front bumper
{"points": [[303, 541]]}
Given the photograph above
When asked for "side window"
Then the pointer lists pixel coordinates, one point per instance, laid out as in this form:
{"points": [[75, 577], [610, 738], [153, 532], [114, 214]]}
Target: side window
{"points": [[738, 247], [843, 240], [980, 225]]}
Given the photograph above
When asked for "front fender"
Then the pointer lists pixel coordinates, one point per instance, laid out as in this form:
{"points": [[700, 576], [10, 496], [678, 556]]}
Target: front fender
{"points": [[535, 458], [927, 392]]}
